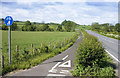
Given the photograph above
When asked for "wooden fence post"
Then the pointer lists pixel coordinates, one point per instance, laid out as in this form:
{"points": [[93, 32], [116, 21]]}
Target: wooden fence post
{"points": [[61, 44], [50, 44], [17, 50], [64, 41], [41, 45], [33, 51], [32, 48], [54, 44], [3, 61], [58, 43]]}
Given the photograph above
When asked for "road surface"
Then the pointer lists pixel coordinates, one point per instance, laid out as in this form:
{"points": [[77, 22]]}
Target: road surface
{"points": [[59, 65]]}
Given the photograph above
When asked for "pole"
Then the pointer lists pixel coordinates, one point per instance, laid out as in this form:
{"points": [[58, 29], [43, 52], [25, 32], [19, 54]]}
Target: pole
{"points": [[9, 46]]}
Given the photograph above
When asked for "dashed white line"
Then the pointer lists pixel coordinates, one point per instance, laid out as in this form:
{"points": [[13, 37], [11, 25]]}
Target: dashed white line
{"points": [[52, 70], [65, 57], [112, 55]]}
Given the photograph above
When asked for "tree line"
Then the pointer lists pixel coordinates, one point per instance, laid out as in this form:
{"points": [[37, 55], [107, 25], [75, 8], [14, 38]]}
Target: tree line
{"points": [[106, 27], [67, 26]]}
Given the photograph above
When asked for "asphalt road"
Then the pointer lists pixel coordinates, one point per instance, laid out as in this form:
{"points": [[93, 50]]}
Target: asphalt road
{"points": [[59, 65]]}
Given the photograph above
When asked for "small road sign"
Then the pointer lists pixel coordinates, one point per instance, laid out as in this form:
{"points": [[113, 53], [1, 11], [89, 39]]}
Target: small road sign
{"points": [[8, 21]]}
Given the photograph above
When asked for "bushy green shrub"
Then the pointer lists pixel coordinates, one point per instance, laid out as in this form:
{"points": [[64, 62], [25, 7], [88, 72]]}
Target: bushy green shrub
{"points": [[91, 59]]}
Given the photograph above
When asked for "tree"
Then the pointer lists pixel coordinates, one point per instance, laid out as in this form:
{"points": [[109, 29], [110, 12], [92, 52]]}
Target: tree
{"points": [[4, 27], [27, 23], [28, 27], [105, 27], [117, 27], [59, 28], [111, 28], [14, 26], [95, 26], [69, 26], [63, 22], [32, 28], [44, 27]]}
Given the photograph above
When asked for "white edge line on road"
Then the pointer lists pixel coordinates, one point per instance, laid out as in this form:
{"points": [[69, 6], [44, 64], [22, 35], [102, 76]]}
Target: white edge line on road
{"points": [[65, 57], [112, 56], [55, 75]]}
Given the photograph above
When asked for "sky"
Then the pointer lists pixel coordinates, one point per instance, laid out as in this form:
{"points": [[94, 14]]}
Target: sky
{"points": [[83, 12]]}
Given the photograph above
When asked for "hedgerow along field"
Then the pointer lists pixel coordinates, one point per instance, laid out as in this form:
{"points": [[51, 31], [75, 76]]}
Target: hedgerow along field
{"points": [[25, 59], [54, 26]]}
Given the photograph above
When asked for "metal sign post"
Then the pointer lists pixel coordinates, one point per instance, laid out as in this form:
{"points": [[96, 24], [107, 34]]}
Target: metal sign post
{"points": [[9, 45], [8, 22]]}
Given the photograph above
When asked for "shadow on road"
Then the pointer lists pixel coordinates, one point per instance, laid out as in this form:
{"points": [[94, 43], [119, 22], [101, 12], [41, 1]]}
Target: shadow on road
{"points": [[53, 61]]}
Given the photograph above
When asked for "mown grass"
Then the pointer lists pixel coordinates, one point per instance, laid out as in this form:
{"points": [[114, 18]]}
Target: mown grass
{"points": [[91, 59], [25, 58]]}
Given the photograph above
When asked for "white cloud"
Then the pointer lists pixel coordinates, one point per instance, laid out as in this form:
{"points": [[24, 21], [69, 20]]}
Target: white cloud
{"points": [[81, 13], [65, 1]]}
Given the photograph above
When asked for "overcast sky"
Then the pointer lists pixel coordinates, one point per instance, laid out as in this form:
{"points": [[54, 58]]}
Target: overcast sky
{"points": [[84, 12]]}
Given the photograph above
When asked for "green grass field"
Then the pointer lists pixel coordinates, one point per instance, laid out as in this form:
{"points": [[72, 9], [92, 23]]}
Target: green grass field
{"points": [[25, 39]]}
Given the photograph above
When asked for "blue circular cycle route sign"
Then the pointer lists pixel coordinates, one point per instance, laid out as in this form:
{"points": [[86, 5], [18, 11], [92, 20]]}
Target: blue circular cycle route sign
{"points": [[8, 20]]}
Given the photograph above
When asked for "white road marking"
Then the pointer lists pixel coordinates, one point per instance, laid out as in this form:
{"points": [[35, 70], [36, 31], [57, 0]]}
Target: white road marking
{"points": [[52, 70], [112, 55], [55, 75], [65, 57], [62, 72], [65, 70], [64, 64]]}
